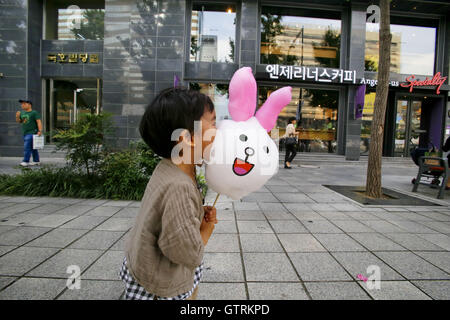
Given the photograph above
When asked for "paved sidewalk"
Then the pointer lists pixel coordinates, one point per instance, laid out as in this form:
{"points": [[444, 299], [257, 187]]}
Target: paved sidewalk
{"points": [[293, 239]]}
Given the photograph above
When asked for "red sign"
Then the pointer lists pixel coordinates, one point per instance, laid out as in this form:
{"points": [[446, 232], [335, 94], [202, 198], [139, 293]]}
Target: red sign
{"points": [[436, 81]]}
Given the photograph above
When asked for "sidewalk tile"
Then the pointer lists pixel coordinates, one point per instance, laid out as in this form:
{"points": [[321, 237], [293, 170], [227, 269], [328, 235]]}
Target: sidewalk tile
{"points": [[21, 260], [411, 266], [352, 226], [51, 221], [438, 290], [222, 267], [33, 289], [5, 281], [336, 291], [293, 198], [321, 226], [128, 212], [357, 263], [439, 259], [116, 224], [440, 240], [335, 215], [382, 226], [250, 215], [260, 243], [21, 219], [225, 227], [259, 197], [223, 243], [57, 238], [47, 208], [4, 229], [307, 216], [437, 226], [268, 267], [276, 291], [6, 249], [221, 291], [95, 290], [56, 266], [338, 242], [376, 242], [105, 268], [245, 206], [396, 290], [116, 203], [84, 223], [346, 207], [318, 266], [288, 226], [284, 189], [413, 227], [278, 215], [74, 210], [413, 242], [103, 211], [19, 208], [254, 227], [300, 242], [101, 240], [19, 236], [225, 215]]}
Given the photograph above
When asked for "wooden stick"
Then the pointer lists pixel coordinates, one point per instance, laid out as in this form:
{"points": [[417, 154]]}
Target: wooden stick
{"points": [[217, 197]]}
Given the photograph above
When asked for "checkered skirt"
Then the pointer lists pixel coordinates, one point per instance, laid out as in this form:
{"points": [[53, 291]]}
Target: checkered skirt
{"points": [[134, 291]]}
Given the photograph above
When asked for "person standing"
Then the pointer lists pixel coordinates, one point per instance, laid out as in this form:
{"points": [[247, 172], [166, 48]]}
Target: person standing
{"points": [[31, 124], [290, 143]]}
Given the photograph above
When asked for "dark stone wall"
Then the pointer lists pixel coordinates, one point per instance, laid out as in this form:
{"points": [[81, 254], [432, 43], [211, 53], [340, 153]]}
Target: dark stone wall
{"points": [[143, 51], [14, 58]]}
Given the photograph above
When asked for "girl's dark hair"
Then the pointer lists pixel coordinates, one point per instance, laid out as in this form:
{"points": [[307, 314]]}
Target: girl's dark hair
{"points": [[171, 109], [291, 119]]}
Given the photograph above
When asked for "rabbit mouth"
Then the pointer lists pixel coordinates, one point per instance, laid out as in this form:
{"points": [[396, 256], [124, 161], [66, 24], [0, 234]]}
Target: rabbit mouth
{"points": [[241, 167]]}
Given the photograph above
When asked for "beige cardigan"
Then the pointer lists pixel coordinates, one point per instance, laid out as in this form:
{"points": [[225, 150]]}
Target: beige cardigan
{"points": [[165, 246]]}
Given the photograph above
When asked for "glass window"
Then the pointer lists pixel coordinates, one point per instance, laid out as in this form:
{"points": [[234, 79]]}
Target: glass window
{"points": [[366, 122], [219, 96], [292, 36], [213, 29], [412, 49], [316, 112], [77, 20]]}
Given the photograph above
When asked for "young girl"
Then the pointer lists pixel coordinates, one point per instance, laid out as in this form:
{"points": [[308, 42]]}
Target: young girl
{"points": [[164, 249]]}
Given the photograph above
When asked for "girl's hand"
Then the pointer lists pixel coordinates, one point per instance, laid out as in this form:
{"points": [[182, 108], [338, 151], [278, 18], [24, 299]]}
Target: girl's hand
{"points": [[210, 214]]}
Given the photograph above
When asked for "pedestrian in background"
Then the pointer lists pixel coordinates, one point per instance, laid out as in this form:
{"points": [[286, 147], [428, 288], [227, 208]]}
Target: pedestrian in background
{"points": [[31, 124], [290, 142]]}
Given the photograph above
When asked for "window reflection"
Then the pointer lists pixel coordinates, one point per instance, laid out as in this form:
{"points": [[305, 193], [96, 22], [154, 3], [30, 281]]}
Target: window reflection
{"points": [[218, 93], [213, 28], [412, 49], [295, 37], [366, 122], [316, 111]]}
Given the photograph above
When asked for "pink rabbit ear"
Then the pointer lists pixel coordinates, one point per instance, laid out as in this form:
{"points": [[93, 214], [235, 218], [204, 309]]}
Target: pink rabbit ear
{"points": [[267, 115], [242, 90]]}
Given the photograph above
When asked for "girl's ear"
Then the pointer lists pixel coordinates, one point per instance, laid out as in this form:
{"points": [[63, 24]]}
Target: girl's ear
{"points": [[268, 113], [242, 95]]}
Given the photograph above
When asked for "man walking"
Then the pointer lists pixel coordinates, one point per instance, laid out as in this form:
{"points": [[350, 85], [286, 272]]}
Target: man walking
{"points": [[31, 124]]}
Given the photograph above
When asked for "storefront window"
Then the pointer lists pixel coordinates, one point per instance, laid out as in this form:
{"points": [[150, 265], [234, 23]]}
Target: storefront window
{"points": [[292, 36], [213, 29], [412, 49], [366, 123], [316, 112], [70, 20], [219, 96]]}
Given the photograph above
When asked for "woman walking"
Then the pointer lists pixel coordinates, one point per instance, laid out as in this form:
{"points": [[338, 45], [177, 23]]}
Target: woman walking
{"points": [[290, 142]]}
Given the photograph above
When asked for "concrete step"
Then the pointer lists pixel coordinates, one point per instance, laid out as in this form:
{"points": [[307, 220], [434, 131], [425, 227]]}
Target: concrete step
{"points": [[318, 159], [50, 151]]}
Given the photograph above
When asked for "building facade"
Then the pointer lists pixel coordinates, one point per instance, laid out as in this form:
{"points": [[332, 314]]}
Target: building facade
{"points": [[81, 56]]}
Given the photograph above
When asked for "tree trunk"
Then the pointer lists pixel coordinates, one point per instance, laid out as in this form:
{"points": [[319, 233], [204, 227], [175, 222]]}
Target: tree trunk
{"points": [[373, 182]]}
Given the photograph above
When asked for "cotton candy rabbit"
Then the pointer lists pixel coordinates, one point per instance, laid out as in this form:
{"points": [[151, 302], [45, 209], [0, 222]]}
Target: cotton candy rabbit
{"points": [[243, 156]]}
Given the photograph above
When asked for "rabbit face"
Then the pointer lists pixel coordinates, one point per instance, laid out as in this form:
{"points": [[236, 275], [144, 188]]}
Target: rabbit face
{"points": [[243, 156]]}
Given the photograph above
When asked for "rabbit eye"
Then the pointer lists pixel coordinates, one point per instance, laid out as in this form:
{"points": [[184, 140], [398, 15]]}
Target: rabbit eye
{"points": [[243, 137], [266, 149]]}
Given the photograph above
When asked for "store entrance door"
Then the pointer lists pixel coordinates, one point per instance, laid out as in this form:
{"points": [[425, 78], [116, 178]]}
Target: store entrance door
{"points": [[418, 123], [68, 99]]}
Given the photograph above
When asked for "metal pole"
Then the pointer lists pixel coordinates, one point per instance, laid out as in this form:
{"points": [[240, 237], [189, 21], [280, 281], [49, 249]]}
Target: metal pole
{"points": [[74, 105]]}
